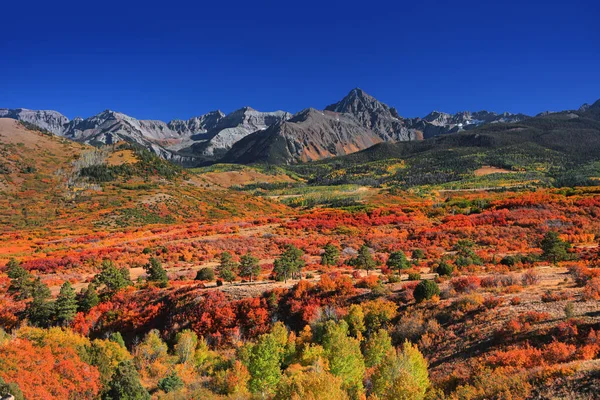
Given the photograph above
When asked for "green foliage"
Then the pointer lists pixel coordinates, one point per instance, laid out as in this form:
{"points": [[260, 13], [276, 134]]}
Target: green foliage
{"points": [[418, 254], [331, 255], [205, 274], [397, 260], [156, 273], [170, 383], [125, 384], [13, 389], [356, 321], [66, 304], [414, 276], [249, 266], [117, 338], [376, 347], [148, 165], [113, 278], [88, 298], [21, 281], [554, 248], [364, 259], [289, 263], [41, 309], [227, 267], [185, 345], [344, 355], [264, 364], [425, 290], [444, 269], [401, 375]]}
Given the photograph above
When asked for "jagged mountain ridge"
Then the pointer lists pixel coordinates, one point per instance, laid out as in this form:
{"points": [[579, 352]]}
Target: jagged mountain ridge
{"points": [[174, 141], [356, 121]]}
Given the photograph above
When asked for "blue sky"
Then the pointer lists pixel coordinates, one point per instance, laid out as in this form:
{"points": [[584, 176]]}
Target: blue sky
{"points": [[179, 59]]}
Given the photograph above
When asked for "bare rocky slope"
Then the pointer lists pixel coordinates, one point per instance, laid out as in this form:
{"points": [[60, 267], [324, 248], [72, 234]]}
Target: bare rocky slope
{"points": [[247, 135]]}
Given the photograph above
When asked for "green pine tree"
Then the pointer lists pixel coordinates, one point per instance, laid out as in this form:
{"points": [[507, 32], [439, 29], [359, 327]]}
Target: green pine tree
{"points": [[364, 259], [331, 255], [249, 266], [554, 248], [41, 309], [88, 298], [113, 278], [125, 384], [227, 267], [65, 307], [156, 273], [398, 260], [21, 281], [289, 263]]}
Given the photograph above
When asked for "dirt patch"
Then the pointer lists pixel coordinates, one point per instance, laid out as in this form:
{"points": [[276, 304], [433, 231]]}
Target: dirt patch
{"points": [[487, 170], [121, 157], [237, 178]]}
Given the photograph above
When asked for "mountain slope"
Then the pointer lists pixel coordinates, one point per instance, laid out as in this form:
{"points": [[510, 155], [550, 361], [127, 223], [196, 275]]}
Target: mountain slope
{"points": [[186, 142], [310, 135], [562, 146]]}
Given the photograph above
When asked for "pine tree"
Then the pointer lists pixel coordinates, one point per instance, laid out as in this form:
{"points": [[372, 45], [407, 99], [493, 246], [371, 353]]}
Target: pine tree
{"points": [[289, 263], [156, 273], [40, 310], [249, 266], [398, 260], [66, 304], [331, 255], [554, 248], [125, 384], [113, 278], [21, 281], [227, 267], [364, 259], [88, 298]]}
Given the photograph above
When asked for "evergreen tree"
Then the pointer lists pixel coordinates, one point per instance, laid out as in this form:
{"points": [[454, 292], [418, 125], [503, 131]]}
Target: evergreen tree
{"points": [[156, 273], [425, 290], [170, 383], [21, 281], [331, 256], [418, 254], [66, 304], [125, 384], [41, 309], [249, 266], [227, 267], [398, 260], [113, 278], [289, 263], [554, 248], [88, 298], [364, 259]]}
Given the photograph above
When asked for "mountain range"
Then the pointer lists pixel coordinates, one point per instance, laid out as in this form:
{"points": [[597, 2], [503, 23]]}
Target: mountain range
{"points": [[355, 123]]}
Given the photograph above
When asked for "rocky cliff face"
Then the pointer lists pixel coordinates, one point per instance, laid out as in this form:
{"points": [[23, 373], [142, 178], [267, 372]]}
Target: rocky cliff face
{"points": [[234, 127], [247, 135], [52, 121], [308, 136], [195, 140], [376, 116]]}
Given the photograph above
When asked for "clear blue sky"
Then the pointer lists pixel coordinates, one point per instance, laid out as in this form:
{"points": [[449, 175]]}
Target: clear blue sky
{"points": [[178, 59]]}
